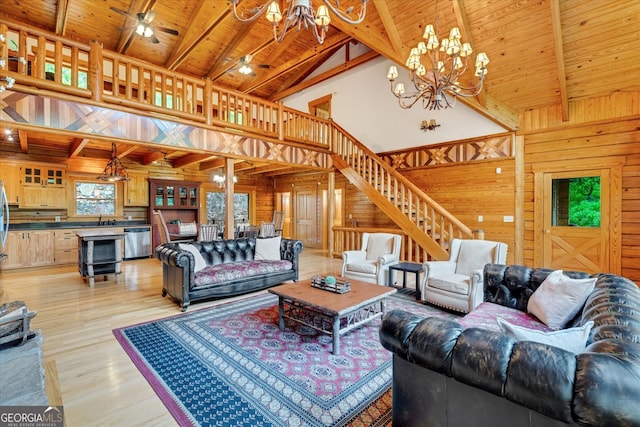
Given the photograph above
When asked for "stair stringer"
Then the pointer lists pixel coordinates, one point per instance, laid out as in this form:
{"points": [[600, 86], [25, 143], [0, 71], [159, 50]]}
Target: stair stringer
{"points": [[396, 215]]}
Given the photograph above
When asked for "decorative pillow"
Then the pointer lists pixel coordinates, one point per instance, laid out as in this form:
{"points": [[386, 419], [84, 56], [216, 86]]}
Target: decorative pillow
{"points": [[571, 339], [268, 249], [559, 298], [200, 262]]}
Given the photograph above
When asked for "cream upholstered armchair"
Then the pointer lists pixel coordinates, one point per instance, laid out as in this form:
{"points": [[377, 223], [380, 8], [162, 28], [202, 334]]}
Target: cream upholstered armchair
{"points": [[458, 283], [371, 263]]}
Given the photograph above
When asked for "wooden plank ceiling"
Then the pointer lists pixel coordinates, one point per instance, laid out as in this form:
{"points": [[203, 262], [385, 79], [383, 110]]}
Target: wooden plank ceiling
{"points": [[542, 52]]}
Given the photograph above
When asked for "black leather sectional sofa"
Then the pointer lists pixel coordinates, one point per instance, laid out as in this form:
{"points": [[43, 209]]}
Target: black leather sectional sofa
{"points": [[446, 375]]}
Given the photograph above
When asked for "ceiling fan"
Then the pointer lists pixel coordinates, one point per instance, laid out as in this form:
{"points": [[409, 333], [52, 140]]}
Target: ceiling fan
{"points": [[143, 24], [245, 67]]}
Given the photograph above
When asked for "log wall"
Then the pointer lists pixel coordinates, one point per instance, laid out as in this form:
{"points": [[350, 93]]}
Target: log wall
{"points": [[473, 189], [606, 128]]}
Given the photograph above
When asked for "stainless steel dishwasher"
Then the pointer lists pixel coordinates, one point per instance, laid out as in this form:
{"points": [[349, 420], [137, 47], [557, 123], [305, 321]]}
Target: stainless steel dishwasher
{"points": [[137, 242]]}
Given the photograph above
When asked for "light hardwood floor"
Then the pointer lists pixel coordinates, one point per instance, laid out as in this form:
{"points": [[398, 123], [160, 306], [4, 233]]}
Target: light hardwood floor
{"points": [[97, 382]]}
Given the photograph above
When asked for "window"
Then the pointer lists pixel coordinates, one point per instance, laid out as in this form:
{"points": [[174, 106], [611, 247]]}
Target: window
{"points": [[50, 69], [95, 198], [215, 207], [576, 202], [168, 99]]}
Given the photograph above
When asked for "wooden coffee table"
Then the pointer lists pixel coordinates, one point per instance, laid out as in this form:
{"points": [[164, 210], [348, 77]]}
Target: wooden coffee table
{"points": [[331, 313]]}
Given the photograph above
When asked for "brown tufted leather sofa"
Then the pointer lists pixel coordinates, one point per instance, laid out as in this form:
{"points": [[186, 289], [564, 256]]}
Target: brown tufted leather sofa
{"points": [[179, 278], [446, 375]]}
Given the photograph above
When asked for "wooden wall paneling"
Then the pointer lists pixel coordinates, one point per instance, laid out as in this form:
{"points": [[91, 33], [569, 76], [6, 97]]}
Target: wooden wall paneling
{"points": [[599, 143], [581, 111], [475, 188], [630, 257]]}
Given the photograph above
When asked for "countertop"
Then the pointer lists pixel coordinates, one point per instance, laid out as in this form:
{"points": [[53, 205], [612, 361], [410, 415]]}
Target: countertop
{"points": [[101, 234], [77, 224]]}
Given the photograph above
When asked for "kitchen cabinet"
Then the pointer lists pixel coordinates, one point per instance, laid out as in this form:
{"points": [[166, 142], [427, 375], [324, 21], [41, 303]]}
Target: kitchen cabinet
{"points": [[43, 187], [65, 247], [28, 249], [136, 190], [10, 177], [43, 197], [178, 200], [167, 194]]}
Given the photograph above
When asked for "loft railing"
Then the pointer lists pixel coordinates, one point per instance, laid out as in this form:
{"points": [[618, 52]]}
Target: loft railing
{"points": [[429, 224], [42, 60]]}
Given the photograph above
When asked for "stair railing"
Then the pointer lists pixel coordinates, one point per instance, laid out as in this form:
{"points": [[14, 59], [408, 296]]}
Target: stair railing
{"points": [[405, 204]]}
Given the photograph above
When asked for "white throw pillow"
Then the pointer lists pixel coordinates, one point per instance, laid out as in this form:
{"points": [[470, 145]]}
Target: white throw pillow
{"points": [[200, 262], [571, 339], [559, 298], [268, 249]]}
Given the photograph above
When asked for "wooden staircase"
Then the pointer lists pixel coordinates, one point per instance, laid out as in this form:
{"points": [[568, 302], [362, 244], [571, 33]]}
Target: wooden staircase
{"points": [[430, 225]]}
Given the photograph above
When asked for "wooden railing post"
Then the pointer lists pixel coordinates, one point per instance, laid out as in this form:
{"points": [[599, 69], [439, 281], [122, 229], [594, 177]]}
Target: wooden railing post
{"points": [[95, 76], [280, 122], [207, 104], [4, 49]]}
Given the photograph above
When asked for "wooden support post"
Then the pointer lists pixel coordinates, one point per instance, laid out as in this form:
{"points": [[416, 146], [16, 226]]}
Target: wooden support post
{"points": [[95, 77], [229, 215]]}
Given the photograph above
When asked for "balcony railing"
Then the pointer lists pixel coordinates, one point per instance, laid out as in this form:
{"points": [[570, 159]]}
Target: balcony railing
{"points": [[41, 60], [38, 59]]}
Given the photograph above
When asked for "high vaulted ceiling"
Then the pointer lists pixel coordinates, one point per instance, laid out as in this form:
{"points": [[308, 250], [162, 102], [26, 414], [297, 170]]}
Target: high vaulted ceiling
{"points": [[542, 52]]}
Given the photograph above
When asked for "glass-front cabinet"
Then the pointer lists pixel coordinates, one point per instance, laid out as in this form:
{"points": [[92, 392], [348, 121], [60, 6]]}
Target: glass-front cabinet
{"points": [[178, 201], [174, 194]]}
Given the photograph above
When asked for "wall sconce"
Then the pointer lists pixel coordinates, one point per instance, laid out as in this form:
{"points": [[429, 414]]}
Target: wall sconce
{"points": [[431, 125]]}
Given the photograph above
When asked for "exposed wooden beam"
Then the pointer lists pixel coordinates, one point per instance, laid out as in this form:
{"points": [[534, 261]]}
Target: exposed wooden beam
{"points": [[217, 73], [212, 164], [24, 143], [127, 36], [217, 12], [303, 71], [465, 30], [77, 145], [301, 59], [265, 169], [61, 17], [127, 150], [190, 159], [152, 157], [559, 45], [389, 25], [370, 37], [238, 37], [326, 75]]}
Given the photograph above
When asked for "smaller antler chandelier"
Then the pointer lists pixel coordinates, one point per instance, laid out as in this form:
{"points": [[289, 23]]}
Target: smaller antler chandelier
{"points": [[301, 13], [115, 170], [435, 68]]}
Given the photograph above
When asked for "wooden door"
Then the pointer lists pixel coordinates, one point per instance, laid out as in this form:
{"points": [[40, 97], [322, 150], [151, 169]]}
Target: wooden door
{"points": [[283, 204], [576, 244], [306, 217]]}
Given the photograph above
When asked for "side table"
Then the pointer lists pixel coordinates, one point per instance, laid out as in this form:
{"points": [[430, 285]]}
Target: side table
{"points": [[407, 267]]}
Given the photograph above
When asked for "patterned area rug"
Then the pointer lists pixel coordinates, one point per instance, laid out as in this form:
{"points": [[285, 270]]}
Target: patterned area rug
{"points": [[230, 365]]}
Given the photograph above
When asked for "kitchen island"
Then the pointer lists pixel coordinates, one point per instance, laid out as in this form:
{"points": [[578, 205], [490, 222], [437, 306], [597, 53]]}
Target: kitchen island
{"points": [[99, 253]]}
